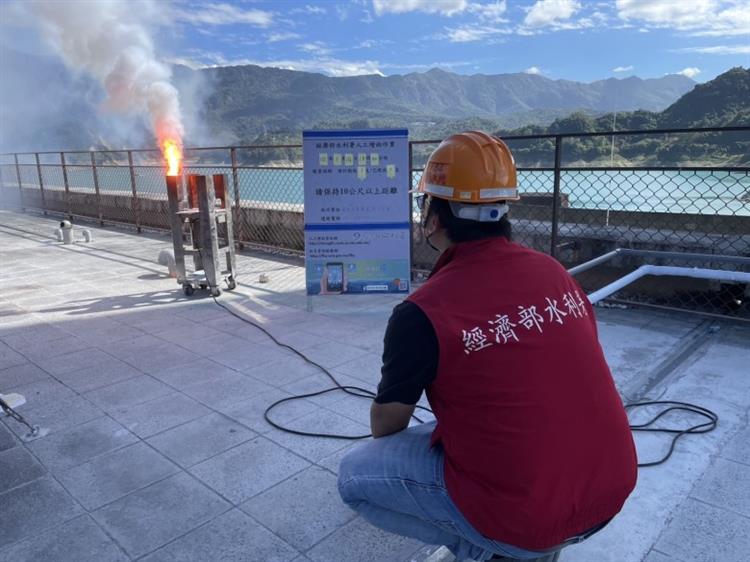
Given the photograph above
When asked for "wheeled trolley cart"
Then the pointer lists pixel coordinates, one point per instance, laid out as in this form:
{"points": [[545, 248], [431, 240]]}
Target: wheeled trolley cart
{"points": [[201, 221]]}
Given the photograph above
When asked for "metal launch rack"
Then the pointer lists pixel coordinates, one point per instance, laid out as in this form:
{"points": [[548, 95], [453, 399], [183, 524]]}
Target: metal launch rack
{"points": [[201, 221]]}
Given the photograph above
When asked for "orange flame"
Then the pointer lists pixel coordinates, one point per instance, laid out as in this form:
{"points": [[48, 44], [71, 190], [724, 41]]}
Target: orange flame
{"points": [[173, 156]]}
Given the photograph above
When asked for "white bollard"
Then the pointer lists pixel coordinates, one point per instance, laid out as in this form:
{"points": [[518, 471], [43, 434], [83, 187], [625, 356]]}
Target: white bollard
{"points": [[67, 232], [86, 235], [167, 258]]}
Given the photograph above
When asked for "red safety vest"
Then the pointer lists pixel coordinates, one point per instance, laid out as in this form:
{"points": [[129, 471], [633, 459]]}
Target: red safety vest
{"points": [[536, 439]]}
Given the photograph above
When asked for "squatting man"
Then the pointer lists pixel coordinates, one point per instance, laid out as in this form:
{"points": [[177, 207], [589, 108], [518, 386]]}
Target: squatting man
{"points": [[530, 450]]}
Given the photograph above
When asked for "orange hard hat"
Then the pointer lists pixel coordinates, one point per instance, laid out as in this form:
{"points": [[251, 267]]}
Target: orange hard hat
{"points": [[471, 167]]}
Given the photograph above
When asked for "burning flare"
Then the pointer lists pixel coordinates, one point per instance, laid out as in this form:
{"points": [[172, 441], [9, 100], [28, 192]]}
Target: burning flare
{"points": [[173, 155]]}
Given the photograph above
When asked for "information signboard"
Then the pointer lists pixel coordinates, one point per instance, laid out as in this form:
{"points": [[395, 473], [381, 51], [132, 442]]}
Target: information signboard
{"points": [[357, 232]]}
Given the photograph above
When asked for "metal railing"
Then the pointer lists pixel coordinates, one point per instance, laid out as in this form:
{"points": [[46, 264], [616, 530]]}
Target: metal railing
{"points": [[571, 208]]}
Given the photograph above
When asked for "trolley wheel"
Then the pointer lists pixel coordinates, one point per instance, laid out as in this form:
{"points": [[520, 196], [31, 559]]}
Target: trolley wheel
{"points": [[231, 283], [188, 290], [203, 286], [215, 291]]}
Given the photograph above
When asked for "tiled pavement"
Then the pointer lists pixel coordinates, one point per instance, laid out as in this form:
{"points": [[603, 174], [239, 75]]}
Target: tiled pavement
{"points": [[158, 450]]}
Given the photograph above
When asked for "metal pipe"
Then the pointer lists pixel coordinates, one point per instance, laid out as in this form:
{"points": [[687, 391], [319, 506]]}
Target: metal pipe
{"points": [[248, 146], [649, 168], [95, 174], [738, 169], [741, 260], [136, 203], [66, 185], [611, 133], [20, 185], [410, 198], [238, 223], [680, 310], [41, 183], [593, 263], [556, 197], [661, 270], [735, 128]]}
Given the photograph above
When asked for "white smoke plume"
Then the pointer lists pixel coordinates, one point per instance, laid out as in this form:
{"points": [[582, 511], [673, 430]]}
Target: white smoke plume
{"points": [[111, 41]]}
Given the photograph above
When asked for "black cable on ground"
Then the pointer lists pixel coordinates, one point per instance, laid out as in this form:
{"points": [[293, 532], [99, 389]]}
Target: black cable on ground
{"points": [[351, 390], [705, 427]]}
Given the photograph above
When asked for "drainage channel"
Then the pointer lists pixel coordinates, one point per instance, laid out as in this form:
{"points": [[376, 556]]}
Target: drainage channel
{"points": [[689, 345]]}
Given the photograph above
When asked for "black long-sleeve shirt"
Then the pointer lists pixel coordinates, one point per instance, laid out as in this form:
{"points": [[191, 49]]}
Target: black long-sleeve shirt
{"points": [[410, 356]]}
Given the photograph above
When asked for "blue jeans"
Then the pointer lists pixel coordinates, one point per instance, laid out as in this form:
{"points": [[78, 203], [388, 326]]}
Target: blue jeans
{"points": [[397, 484]]}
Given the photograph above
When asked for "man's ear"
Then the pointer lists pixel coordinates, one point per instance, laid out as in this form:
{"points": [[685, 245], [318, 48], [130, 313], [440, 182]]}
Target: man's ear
{"points": [[433, 220]]}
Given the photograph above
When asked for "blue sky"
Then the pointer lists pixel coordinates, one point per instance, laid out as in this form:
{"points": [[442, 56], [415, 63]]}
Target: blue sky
{"points": [[568, 39]]}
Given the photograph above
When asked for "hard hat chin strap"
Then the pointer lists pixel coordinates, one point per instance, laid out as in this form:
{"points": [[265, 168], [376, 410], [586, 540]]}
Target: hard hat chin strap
{"points": [[488, 212]]}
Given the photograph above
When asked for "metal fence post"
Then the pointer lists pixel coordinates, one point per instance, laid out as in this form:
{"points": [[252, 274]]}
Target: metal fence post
{"points": [[136, 203], [66, 185], [556, 197], [238, 218], [411, 213], [20, 185], [41, 182], [95, 173]]}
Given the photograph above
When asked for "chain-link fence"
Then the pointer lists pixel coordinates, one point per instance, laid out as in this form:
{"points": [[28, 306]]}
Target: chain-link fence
{"points": [[582, 196]]}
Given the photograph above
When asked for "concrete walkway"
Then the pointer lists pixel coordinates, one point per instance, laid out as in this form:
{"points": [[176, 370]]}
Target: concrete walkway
{"points": [[157, 448]]}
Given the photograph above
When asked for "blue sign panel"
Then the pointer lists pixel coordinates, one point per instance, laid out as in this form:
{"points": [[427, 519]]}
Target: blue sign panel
{"points": [[357, 235]]}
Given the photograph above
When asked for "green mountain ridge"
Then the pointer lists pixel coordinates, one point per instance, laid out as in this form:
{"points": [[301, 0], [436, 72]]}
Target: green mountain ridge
{"points": [[251, 101], [721, 102]]}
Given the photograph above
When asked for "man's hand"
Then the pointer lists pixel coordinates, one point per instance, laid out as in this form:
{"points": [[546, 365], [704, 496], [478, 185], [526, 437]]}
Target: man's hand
{"points": [[389, 418]]}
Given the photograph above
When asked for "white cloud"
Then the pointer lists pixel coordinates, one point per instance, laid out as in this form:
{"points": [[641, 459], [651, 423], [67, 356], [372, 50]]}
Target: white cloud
{"points": [[199, 58], [550, 12], [185, 61], [315, 47], [342, 11], [599, 17], [443, 7], [223, 14], [532, 70], [428, 66], [689, 72], [717, 50], [329, 66], [308, 9], [699, 17], [281, 36], [492, 12], [325, 65], [623, 68], [372, 43], [469, 33]]}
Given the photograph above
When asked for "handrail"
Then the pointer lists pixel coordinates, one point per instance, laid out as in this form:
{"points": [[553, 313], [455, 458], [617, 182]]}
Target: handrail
{"points": [[731, 129], [684, 130]]}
